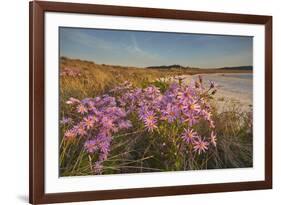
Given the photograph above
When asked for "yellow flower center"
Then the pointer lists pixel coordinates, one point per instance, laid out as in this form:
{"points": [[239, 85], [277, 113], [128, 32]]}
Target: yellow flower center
{"points": [[192, 107]]}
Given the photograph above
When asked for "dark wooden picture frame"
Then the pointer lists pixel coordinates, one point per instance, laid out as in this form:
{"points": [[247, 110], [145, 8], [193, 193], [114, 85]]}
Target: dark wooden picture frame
{"points": [[37, 193]]}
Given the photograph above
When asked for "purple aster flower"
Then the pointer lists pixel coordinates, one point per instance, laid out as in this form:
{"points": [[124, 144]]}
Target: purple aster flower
{"points": [[70, 134], [200, 145], [194, 107], [89, 121], [98, 167], [81, 129], [150, 121], [189, 135], [81, 109], [91, 146]]}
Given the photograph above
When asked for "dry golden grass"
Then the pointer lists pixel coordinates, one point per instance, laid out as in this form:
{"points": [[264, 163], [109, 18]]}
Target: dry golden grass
{"points": [[99, 78]]}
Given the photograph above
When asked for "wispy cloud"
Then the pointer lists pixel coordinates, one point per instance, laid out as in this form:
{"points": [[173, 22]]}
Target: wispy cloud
{"points": [[141, 55]]}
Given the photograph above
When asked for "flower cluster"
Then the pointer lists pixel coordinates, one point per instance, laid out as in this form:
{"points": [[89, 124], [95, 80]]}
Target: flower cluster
{"points": [[184, 104], [101, 117], [70, 71]]}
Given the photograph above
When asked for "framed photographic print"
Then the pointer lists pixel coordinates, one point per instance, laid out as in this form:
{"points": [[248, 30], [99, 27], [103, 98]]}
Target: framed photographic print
{"points": [[139, 102]]}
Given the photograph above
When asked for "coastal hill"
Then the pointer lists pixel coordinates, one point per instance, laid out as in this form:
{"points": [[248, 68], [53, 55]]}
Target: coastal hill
{"points": [[176, 66], [169, 67], [238, 68]]}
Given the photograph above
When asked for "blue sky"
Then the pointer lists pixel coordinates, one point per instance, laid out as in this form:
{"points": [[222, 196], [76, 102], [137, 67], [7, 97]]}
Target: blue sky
{"points": [[141, 49]]}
